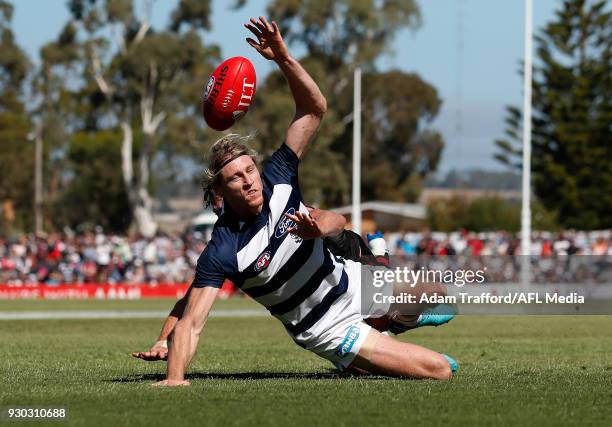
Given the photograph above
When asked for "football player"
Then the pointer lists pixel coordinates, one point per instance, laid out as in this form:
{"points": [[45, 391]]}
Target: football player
{"points": [[268, 245]]}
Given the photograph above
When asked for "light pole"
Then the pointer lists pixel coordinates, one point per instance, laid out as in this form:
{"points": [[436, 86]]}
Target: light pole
{"points": [[356, 211], [526, 187]]}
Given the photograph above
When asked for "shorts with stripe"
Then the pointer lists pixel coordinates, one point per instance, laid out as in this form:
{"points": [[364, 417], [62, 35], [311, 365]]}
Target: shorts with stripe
{"points": [[340, 333]]}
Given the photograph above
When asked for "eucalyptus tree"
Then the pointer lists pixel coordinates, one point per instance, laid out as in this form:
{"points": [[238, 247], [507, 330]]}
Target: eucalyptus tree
{"points": [[572, 116], [16, 161], [145, 82]]}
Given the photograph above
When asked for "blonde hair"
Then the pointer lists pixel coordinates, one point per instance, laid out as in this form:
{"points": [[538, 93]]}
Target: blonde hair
{"points": [[222, 152]]}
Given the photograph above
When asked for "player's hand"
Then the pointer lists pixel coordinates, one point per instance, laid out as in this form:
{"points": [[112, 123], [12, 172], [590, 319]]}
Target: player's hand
{"points": [[305, 226], [172, 383], [270, 43], [157, 352]]}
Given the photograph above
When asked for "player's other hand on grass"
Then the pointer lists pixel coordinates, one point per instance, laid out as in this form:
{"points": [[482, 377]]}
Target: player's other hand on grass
{"points": [[270, 43], [171, 383], [305, 226], [159, 351]]}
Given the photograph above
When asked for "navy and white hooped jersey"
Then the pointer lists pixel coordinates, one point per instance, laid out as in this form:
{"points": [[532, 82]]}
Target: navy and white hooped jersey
{"points": [[296, 280]]}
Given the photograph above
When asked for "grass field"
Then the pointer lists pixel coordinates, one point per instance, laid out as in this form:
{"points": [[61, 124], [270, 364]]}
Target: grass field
{"points": [[513, 370]]}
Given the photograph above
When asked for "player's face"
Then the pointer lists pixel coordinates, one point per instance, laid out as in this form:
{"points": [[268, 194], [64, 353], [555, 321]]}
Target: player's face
{"points": [[241, 186]]}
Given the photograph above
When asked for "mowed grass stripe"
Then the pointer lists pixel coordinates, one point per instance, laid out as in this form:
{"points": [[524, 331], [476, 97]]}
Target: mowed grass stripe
{"points": [[66, 315]]}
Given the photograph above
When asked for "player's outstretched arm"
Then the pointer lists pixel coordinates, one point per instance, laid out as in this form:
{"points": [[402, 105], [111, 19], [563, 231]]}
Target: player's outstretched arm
{"points": [[159, 350], [310, 104], [186, 335]]}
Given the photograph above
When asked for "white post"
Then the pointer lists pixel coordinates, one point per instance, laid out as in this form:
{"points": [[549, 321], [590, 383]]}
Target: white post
{"points": [[526, 189], [356, 212], [38, 178]]}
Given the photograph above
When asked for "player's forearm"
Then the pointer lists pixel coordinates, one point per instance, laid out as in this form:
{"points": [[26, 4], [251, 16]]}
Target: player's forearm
{"points": [[173, 317], [181, 350], [331, 223], [306, 93], [167, 328], [187, 331]]}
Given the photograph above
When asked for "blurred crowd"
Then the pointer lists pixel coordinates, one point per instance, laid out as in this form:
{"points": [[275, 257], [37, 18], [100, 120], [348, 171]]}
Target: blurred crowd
{"points": [[500, 243], [96, 257], [551, 258]]}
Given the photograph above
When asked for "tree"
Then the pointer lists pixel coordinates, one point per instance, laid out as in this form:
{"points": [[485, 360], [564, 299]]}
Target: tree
{"points": [[398, 149], [143, 82], [98, 196], [16, 161], [487, 213], [572, 116]]}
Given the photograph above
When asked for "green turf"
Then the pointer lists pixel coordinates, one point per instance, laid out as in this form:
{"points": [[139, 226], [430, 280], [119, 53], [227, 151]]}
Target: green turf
{"points": [[156, 304], [513, 371]]}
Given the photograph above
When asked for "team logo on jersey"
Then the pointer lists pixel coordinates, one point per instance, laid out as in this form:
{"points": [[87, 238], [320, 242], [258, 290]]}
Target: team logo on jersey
{"points": [[348, 342], [285, 223], [263, 261]]}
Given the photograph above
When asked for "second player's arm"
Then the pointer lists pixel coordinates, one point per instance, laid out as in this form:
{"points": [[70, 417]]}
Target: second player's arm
{"points": [[331, 223]]}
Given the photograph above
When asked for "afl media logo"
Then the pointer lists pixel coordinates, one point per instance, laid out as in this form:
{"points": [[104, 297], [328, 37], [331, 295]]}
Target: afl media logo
{"points": [[209, 86], [263, 261]]}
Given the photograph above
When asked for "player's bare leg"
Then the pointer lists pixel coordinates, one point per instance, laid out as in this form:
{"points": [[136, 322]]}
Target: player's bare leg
{"points": [[383, 355]]}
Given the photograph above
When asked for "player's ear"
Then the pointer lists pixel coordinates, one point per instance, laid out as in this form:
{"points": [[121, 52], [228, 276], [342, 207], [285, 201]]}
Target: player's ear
{"points": [[218, 187]]}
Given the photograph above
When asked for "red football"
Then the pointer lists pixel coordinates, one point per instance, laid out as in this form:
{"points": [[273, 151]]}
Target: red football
{"points": [[229, 93]]}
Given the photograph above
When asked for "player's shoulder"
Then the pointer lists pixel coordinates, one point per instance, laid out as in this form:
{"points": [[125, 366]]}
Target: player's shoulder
{"points": [[281, 167], [220, 251], [225, 231]]}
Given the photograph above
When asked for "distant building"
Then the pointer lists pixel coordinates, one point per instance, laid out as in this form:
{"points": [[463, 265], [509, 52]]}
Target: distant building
{"points": [[387, 216], [174, 215], [429, 194]]}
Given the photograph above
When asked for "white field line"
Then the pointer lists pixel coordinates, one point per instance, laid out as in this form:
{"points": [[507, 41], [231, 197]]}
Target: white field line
{"points": [[109, 314]]}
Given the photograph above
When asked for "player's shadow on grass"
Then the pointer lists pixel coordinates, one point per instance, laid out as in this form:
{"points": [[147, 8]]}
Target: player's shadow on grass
{"points": [[134, 378]]}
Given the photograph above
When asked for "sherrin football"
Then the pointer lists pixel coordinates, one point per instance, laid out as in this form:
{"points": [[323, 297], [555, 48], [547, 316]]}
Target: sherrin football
{"points": [[229, 93]]}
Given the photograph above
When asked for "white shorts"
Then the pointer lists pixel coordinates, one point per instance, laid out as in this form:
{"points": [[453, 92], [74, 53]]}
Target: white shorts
{"points": [[340, 333]]}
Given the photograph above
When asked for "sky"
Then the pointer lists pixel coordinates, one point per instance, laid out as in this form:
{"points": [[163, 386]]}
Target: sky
{"points": [[469, 50]]}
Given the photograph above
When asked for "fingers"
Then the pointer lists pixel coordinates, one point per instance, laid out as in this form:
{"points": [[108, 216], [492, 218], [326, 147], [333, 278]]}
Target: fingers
{"points": [[301, 217], [150, 356], [254, 44], [263, 26], [260, 26], [306, 218], [254, 30], [292, 217], [266, 24]]}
